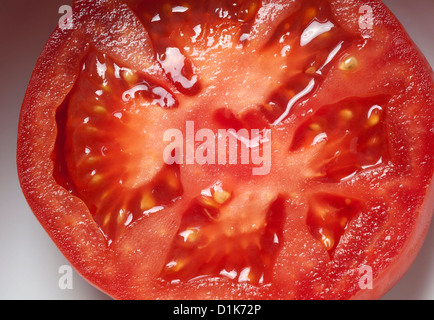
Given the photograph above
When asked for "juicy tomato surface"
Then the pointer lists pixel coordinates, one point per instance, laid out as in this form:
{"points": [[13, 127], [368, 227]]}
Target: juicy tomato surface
{"points": [[232, 149]]}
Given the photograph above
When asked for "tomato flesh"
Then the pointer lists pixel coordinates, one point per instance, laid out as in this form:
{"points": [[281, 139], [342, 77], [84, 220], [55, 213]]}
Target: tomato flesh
{"points": [[345, 183]]}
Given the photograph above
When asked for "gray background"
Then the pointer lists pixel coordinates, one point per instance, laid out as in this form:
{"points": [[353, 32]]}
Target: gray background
{"points": [[29, 261]]}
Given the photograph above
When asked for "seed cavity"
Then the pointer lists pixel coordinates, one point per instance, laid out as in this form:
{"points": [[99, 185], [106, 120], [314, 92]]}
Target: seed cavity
{"points": [[207, 245], [351, 137], [328, 217]]}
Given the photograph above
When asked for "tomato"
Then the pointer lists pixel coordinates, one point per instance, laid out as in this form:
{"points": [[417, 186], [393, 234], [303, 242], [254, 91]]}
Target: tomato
{"points": [[251, 149]]}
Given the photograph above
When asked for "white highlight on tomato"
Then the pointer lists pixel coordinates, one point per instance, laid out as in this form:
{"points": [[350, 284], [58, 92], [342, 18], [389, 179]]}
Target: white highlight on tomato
{"points": [[314, 30]]}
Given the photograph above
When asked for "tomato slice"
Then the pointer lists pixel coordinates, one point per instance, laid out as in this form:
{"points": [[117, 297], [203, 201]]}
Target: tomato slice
{"points": [[231, 149]]}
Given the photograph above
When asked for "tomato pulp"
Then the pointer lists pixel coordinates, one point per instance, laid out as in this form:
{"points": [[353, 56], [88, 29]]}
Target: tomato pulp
{"points": [[275, 149]]}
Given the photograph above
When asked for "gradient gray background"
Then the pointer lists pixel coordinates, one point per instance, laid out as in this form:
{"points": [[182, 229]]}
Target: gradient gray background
{"points": [[29, 261]]}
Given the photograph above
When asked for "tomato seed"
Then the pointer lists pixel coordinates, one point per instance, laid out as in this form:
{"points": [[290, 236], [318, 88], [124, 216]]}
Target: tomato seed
{"points": [[221, 196], [348, 64], [147, 202]]}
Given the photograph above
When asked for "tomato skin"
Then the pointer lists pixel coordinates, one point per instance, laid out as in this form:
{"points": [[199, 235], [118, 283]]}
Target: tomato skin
{"points": [[66, 218], [390, 276]]}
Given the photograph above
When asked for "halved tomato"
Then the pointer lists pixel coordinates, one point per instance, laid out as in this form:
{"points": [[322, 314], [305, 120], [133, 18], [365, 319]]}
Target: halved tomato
{"points": [[274, 149]]}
